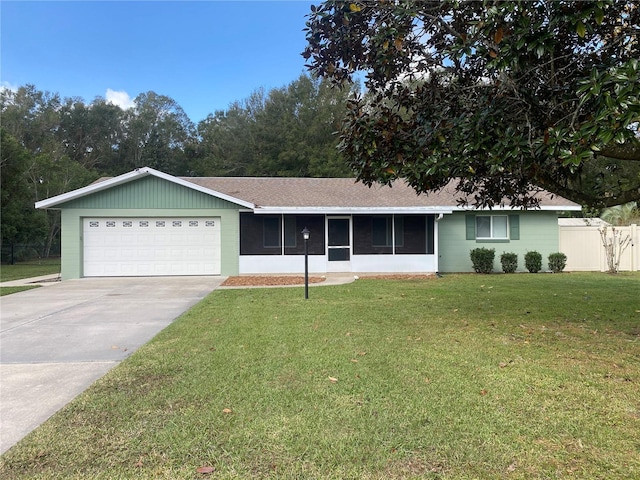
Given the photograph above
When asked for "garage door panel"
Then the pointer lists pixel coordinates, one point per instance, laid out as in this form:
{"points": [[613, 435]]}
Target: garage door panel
{"points": [[151, 246], [129, 270], [113, 270]]}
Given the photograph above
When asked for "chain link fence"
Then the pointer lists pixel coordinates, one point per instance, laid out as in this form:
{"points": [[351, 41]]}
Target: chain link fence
{"points": [[13, 253]]}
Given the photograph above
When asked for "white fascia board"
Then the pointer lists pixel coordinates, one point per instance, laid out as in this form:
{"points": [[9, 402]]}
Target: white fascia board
{"points": [[571, 208], [351, 210], [93, 188], [543, 208], [127, 177]]}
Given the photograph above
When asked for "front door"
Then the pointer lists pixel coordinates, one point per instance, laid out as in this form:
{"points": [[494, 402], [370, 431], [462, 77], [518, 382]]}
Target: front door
{"points": [[339, 244]]}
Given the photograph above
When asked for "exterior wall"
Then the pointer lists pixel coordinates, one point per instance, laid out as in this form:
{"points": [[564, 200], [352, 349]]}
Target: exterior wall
{"points": [[585, 252], [274, 264], [147, 197], [538, 232], [394, 263], [267, 264]]}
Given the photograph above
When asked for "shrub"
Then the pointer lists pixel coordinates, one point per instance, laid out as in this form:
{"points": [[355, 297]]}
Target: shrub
{"points": [[482, 259], [509, 262], [533, 262], [557, 262]]}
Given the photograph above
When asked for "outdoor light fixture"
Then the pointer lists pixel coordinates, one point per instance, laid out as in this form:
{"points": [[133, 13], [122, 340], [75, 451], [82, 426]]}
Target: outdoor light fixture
{"points": [[305, 235]]}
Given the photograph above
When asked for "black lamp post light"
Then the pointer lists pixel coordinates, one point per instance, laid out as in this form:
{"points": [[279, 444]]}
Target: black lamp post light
{"points": [[305, 235]]}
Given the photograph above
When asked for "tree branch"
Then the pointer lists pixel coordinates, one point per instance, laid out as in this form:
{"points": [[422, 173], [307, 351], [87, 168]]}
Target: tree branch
{"points": [[628, 151]]}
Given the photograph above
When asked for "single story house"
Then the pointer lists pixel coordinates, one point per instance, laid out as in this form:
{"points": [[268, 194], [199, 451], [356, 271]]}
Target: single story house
{"points": [[146, 223]]}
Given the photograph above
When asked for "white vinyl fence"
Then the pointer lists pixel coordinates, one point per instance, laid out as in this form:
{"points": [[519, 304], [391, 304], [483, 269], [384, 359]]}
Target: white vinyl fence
{"points": [[584, 250]]}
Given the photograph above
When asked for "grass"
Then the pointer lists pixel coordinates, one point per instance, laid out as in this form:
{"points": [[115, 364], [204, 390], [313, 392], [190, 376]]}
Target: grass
{"points": [[26, 270], [469, 376], [10, 290], [29, 269]]}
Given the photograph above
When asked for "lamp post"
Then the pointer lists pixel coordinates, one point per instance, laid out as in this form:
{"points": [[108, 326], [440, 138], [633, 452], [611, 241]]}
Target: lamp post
{"points": [[305, 235]]}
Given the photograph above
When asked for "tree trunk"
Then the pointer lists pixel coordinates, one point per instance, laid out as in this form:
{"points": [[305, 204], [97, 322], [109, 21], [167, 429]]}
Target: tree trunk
{"points": [[54, 229]]}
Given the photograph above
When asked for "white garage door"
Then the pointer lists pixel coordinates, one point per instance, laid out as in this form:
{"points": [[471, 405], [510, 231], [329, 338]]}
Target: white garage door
{"points": [[119, 247]]}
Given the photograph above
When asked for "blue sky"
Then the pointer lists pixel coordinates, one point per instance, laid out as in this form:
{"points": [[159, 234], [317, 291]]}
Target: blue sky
{"points": [[203, 54]]}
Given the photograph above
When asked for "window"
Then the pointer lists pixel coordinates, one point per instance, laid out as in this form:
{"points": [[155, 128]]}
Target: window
{"points": [[501, 228], [381, 232], [414, 234], [278, 234], [393, 234], [491, 226], [293, 241], [271, 232], [372, 235], [290, 231], [259, 235]]}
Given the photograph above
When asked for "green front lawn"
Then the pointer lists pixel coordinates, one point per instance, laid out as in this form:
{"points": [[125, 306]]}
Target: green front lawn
{"points": [[10, 290], [30, 269], [468, 376]]}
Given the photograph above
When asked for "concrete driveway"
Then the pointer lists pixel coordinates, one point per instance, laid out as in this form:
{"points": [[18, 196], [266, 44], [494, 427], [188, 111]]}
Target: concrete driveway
{"points": [[57, 340]]}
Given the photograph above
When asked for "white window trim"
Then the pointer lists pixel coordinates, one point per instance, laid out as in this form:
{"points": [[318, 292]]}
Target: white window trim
{"points": [[492, 236]]}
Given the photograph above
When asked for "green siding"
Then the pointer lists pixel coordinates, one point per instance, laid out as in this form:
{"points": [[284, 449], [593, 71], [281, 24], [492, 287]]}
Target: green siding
{"points": [[71, 245], [536, 230], [149, 192]]}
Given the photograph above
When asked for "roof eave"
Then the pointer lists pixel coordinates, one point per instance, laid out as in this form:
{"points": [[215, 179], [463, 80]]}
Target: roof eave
{"points": [[261, 210], [543, 208]]}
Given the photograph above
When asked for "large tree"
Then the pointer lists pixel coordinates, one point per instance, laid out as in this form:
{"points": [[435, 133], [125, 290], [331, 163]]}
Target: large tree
{"points": [[294, 130], [157, 134], [227, 139], [92, 135], [502, 95], [38, 147], [288, 131], [20, 223]]}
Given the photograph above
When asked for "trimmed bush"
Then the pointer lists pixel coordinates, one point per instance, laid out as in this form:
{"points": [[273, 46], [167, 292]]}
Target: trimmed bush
{"points": [[557, 262], [482, 259], [533, 261], [509, 262]]}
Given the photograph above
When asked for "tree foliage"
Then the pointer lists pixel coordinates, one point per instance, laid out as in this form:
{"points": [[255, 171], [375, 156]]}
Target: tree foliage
{"points": [[500, 95], [288, 131], [626, 214], [20, 222], [52, 145], [158, 132]]}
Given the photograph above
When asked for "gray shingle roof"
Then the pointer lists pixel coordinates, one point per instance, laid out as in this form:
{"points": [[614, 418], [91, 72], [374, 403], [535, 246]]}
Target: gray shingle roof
{"points": [[338, 193]]}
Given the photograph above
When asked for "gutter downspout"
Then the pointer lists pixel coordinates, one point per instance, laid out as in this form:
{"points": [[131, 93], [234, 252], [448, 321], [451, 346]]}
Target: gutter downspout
{"points": [[436, 242]]}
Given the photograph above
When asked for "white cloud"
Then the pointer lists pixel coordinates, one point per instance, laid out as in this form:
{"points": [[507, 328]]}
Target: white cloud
{"points": [[121, 99], [8, 86]]}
